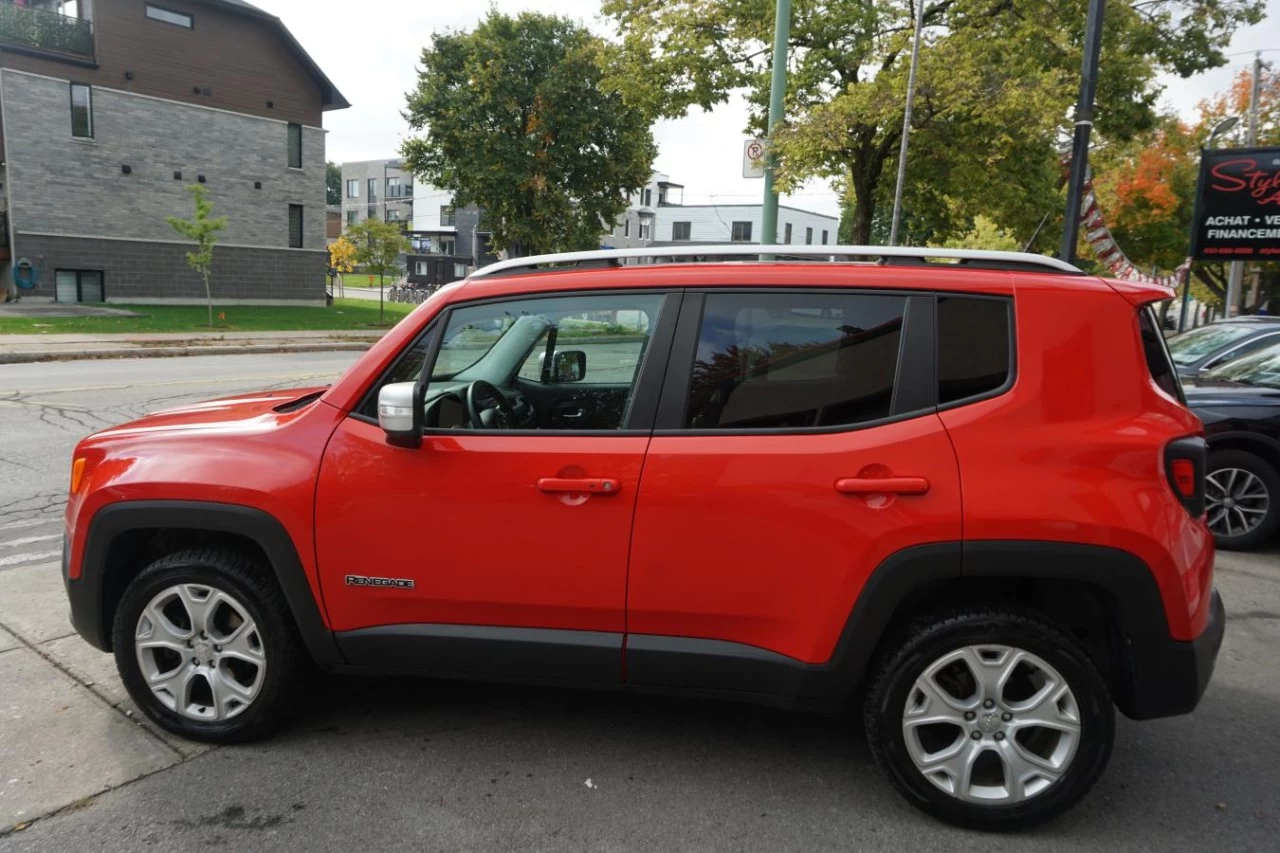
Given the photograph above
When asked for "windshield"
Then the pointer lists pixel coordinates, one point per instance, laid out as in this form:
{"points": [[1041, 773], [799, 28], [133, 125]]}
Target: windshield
{"points": [[1261, 369], [1194, 345]]}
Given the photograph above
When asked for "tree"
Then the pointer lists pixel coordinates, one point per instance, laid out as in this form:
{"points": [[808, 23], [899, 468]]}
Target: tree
{"points": [[203, 228], [985, 234], [377, 245], [342, 256], [332, 183], [516, 117], [996, 78]]}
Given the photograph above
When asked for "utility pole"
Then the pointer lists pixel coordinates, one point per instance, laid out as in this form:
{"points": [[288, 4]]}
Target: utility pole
{"points": [[1236, 277], [906, 125], [777, 92], [1084, 124]]}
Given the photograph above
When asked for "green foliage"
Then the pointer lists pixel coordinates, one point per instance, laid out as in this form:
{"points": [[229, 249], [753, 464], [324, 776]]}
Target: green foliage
{"points": [[202, 229], [985, 234], [994, 85], [518, 118], [332, 183], [377, 245]]}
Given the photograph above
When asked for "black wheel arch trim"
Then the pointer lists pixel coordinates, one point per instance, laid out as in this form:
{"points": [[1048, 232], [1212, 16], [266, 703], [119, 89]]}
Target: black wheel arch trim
{"points": [[87, 593]]}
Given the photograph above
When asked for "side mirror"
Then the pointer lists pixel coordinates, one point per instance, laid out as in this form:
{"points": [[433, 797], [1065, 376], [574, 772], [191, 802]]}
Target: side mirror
{"points": [[400, 413], [568, 365]]}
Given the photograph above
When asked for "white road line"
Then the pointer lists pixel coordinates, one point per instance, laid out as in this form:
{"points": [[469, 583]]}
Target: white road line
{"points": [[30, 522], [31, 557], [27, 540]]}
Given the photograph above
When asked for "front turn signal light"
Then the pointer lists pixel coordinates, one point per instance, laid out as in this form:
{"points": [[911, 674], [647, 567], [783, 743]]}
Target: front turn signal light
{"points": [[77, 474]]}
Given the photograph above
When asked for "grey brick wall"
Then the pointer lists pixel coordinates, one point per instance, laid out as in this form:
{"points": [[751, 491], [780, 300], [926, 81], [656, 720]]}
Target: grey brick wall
{"points": [[62, 185], [144, 272]]}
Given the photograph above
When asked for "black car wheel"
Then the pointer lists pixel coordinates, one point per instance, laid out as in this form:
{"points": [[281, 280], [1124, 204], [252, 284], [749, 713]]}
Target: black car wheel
{"points": [[989, 718], [207, 648], [1242, 499]]}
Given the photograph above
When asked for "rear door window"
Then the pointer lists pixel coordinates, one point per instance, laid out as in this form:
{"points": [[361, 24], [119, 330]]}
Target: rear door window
{"points": [[974, 347], [1156, 351], [794, 360]]}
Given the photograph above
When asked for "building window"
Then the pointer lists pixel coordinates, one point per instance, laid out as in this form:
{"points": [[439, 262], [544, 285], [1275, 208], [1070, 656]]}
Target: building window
{"points": [[808, 236], [420, 268], [78, 286], [393, 188], [644, 230], [352, 216], [295, 146], [447, 245], [295, 226], [459, 271], [393, 214], [786, 234], [824, 236], [680, 230], [626, 228], [648, 198], [446, 216], [741, 232], [159, 13], [373, 188], [353, 188], [81, 111]]}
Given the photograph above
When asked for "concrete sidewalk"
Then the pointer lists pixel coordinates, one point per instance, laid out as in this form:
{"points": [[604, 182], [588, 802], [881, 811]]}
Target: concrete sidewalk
{"points": [[20, 349]]}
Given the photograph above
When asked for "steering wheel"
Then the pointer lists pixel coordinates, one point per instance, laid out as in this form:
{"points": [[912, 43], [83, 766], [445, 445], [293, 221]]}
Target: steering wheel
{"points": [[488, 408]]}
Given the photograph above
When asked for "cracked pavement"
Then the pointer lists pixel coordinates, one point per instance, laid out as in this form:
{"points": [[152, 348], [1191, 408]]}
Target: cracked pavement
{"points": [[416, 764]]}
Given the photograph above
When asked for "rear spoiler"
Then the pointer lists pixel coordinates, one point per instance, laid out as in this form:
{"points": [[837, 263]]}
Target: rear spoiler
{"points": [[1140, 292]]}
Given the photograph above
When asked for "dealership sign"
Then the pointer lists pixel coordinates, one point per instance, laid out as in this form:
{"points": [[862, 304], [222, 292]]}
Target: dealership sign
{"points": [[1237, 215]]}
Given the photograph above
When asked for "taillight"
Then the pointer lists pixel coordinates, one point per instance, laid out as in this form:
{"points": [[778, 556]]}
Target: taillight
{"points": [[1184, 461]]}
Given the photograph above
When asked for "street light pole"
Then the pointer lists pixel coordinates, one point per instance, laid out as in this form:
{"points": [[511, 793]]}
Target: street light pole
{"points": [[906, 125], [1084, 124], [1236, 277], [777, 91]]}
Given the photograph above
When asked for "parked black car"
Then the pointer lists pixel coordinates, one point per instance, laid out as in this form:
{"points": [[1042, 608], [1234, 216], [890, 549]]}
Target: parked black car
{"points": [[1239, 404], [1214, 345]]}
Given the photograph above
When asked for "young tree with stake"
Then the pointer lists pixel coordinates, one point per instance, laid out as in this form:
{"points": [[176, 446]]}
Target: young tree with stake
{"points": [[203, 228]]}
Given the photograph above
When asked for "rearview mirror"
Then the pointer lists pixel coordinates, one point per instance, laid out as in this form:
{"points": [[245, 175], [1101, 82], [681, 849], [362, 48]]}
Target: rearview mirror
{"points": [[568, 365], [400, 414]]}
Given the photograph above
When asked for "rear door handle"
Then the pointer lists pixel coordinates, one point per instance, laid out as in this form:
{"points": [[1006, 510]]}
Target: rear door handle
{"points": [[600, 485], [882, 485]]}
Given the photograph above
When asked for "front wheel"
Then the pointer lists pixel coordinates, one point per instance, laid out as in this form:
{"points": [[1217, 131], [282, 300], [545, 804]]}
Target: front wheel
{"points": [[1242, 499], [990, 718], [206, 646]]}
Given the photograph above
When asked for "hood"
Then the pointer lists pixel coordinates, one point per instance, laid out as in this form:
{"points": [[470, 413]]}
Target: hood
{"points": [[256, 412]]}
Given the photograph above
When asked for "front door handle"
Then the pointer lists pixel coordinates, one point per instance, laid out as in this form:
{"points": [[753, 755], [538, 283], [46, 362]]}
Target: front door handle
{"points": [[599, 485], [882, 485]]}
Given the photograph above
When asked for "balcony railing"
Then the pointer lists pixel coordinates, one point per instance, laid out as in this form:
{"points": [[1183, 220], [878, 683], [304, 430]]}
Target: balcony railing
{"points": [[43, 30]]}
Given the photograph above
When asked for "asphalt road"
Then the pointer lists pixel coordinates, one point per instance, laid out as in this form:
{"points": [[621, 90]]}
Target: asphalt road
{"points": [[398, 764]]}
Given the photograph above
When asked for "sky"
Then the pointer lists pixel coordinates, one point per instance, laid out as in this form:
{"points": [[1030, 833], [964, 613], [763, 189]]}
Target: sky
{"points": [[370, 51]]}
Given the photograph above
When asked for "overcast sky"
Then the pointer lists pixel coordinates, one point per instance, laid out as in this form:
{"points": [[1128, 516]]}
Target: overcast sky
{"points": [[369, 49]]}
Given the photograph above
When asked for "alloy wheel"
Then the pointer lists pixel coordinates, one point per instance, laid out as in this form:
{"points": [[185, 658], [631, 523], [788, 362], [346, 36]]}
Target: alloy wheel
{"points": [[1237, 501], [200, 652], [991, 724]]}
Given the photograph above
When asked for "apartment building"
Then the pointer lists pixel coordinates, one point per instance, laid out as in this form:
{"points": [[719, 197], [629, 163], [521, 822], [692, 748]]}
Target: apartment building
{"points": [[376, 189], [109, 109], [658, 216]]}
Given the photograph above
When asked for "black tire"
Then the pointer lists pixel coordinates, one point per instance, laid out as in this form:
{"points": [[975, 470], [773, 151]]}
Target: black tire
{"points": [[1263, 470], [253, 587], [932, 637]]}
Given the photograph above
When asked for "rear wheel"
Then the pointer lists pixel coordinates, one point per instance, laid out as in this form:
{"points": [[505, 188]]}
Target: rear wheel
{"points": [[206, 646], [1242, 499], [990, 718]]}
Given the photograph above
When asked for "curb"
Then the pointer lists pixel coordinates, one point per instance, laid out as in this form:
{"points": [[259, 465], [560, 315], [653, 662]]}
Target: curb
{"points": [[175, 352]]}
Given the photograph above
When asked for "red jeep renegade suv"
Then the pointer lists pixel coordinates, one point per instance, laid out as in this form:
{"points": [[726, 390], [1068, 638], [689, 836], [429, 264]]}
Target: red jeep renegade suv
{"points": [[966, 496]]}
